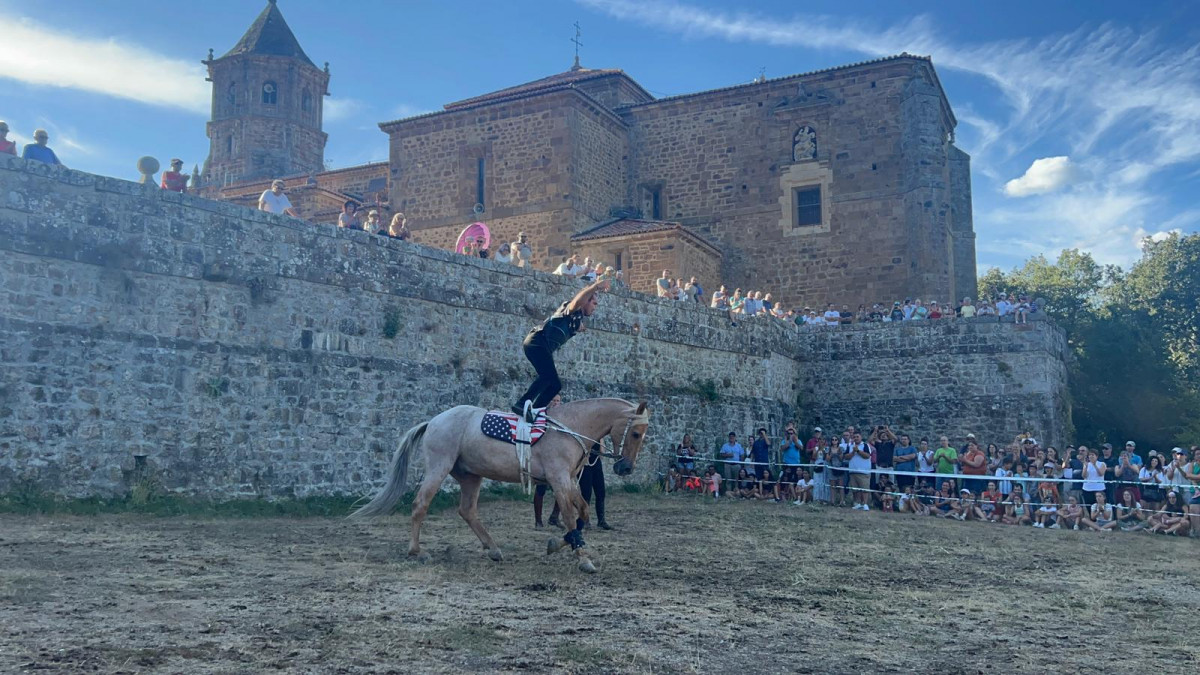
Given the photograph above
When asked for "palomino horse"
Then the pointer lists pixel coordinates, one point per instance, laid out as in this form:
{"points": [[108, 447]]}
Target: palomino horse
{"points": [[454, 445]]}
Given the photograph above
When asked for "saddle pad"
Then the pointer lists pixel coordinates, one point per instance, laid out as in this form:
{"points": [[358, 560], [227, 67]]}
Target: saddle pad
{"points": [[502, 426]]}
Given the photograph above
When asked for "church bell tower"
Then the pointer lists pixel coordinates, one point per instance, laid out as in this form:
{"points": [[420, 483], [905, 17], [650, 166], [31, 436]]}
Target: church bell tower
{"points": [[267, 99]]}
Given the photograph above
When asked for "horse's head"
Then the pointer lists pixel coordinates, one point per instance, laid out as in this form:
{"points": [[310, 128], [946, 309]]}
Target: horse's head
{"points": [[631, 442]]}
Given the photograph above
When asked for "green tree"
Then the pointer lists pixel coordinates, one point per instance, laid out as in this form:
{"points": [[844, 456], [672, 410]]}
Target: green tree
{"points": [[1165, 286]]}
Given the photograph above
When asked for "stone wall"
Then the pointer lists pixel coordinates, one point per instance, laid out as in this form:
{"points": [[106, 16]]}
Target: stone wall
{"points": [[239, 353], [931, 378]]}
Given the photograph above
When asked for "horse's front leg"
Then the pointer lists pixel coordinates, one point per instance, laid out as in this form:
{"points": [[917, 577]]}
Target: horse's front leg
{"points": [[573, 508]]}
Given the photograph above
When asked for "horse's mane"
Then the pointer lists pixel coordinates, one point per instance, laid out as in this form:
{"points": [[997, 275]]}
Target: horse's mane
{"points": [[602, 398]]}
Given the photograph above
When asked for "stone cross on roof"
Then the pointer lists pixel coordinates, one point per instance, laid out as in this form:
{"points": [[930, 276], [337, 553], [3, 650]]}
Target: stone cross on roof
{"points": [[578, 44]]}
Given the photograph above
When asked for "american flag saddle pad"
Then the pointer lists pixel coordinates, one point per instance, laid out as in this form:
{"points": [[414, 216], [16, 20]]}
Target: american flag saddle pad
{"points": [[502, 426]]}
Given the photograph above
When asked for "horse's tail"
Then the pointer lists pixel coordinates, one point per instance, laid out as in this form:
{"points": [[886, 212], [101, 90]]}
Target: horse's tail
{"points": [[386, 500]]}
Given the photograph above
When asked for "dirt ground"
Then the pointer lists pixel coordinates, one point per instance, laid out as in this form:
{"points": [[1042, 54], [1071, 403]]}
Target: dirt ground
{"points": [[684, 585]]}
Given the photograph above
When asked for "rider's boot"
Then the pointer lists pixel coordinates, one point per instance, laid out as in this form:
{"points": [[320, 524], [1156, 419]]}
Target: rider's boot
{"points": [[600, 522]]}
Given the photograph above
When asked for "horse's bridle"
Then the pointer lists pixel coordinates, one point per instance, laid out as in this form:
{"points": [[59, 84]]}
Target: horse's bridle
{"points": [[596, 445]]}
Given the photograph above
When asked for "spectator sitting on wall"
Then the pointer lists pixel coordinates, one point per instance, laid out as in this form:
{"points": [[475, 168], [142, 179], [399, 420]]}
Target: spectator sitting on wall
{"points": [[697, 290], [481, 248], [767, 303], [750, 305], [896, 313], [935, 310], [920, 311], [985, 308], [1022, 309], [609, 275], [275, 201], [619, 281], [6, 146], [522, 254], [737, 303], [349, 215], [860, 314], [663, 284], [503, 254], [38, 151], [563, 267], [175, 180]]}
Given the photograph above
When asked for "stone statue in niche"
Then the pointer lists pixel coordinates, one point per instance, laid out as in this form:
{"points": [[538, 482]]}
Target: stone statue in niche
{"points": [[804, 144]]}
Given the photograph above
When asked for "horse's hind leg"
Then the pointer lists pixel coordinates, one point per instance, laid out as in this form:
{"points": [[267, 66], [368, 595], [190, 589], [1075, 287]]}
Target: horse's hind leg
{"points": [[436, 470], [468, 508]]}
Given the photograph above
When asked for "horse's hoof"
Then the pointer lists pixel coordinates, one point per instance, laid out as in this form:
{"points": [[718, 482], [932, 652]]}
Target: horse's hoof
{"points": [[421, 558], [553, 545], [586, 565], [496, 555]]}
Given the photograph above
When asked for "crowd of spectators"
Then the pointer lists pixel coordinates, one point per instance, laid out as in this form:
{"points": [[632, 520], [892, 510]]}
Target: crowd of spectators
{"points": [[1021, 483]]}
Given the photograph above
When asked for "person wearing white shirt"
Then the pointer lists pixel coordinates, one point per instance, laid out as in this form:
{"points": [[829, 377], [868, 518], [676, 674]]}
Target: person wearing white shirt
{"points": [[832, 316], [858, 456], [1003, 306], [275, 201]]}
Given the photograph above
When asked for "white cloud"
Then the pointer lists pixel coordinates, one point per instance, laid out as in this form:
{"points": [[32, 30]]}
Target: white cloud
{"points": [[339, 109], [403, 110], [42, 56], [1048, 174], [1121, 99]]}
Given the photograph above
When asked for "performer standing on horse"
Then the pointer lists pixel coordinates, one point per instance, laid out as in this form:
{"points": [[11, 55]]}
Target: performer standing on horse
{"points": [[544, 340]]}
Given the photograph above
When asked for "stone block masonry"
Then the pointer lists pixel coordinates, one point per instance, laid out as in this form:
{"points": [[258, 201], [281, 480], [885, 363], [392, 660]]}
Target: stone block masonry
{"points": [[235, 353]]}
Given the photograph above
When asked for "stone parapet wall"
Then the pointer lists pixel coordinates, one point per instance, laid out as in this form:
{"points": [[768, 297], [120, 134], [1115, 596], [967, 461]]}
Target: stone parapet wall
{"points": [[231, 352]]}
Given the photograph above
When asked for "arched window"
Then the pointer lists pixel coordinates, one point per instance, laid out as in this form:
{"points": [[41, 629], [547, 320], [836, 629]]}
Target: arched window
{"points": [[306, 101], [804, 144], [269, 92], [231, 93]]}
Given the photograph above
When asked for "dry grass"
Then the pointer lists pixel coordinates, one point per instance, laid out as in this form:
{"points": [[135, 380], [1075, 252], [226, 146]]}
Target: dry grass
{"points": [[686, 585]]}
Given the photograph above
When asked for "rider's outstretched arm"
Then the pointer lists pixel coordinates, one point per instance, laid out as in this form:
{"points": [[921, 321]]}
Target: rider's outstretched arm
{"points": [[581, 298]]}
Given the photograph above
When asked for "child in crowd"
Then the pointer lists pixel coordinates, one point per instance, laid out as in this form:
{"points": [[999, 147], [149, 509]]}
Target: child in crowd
{"points": [[989, 502], [1100, 517], [785, 487], [712, 481], [1015, 511], [1071, 514], [804, 488], [885, 499], [911, 503], [766, 485], [1172, 518], [1047, 511], [745, 484], [692, 482], [671, 483], [1129, 512]]}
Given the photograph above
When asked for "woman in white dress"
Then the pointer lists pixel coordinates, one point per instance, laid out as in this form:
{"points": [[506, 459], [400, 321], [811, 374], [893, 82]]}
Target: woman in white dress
{"points": [[820, 476]]}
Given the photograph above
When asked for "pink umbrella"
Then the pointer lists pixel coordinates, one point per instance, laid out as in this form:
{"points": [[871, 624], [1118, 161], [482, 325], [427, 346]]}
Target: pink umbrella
{"points": [[471, 233]]}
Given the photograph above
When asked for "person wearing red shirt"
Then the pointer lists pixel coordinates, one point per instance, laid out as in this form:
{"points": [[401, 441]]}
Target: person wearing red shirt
{"points": [[175, 180], [974, 463], [6, 145]]}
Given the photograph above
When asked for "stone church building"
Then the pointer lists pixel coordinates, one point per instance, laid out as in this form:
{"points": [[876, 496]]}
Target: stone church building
{"points": [[839, 185]]}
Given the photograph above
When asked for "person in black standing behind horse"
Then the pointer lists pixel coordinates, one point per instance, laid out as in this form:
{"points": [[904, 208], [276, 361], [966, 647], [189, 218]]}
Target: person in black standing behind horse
{"points": [[543, 341]]}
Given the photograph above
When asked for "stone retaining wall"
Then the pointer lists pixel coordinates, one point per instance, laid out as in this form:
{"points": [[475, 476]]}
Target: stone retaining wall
{"points": [[233, 353]]}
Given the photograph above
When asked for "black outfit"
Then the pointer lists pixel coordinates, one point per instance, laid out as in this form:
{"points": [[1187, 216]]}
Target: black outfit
{"points": [[540, 345], [592, 480]]}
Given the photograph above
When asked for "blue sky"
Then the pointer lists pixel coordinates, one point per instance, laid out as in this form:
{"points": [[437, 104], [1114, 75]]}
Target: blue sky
{"points": [[1082, 119]]}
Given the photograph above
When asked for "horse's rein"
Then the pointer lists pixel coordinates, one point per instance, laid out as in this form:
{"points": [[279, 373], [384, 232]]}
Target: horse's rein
{"points": [[596, 444]]}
